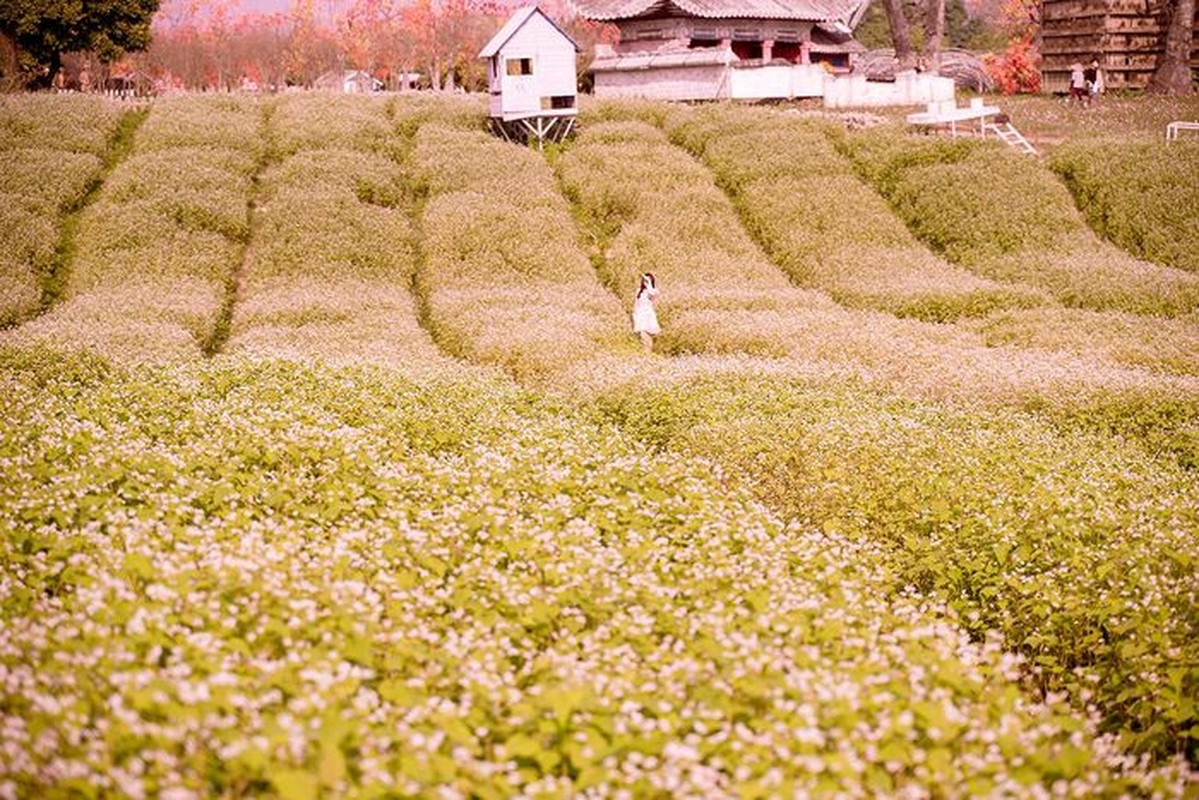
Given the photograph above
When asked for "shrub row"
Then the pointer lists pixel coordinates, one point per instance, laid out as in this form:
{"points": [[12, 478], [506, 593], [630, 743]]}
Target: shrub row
{"points": [[1080, 550], [503, 279], [1168, 346], [64, 123], [28, 240], [226, 578], [50, 157], [330, 268], [649, 207], [410, 111], [1142, 196], [825, 227], [321, 121], [646, 204], [155, 252], [1006, 217]]}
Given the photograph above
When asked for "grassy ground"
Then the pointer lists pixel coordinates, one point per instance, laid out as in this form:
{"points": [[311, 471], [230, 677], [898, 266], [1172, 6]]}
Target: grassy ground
{"points": [[1049, 121]]}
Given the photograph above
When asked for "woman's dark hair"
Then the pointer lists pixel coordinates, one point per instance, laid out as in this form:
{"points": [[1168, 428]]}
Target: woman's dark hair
{"points": [[647, 280]]}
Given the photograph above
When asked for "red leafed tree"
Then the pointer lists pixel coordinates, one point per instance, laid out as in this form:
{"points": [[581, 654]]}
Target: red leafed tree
{"points": [[312, 49], [363, 31], [448, 35], [1020, 19], [213, 46], [1017, 69]]}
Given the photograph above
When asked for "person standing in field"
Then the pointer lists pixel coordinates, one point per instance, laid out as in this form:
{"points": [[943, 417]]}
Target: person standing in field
{"points": [[1095, 84], [1078, 84], [645, 318]]}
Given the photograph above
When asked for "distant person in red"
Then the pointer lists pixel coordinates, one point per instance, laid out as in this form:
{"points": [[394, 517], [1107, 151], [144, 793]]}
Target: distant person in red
{"points": [[645, 318]]}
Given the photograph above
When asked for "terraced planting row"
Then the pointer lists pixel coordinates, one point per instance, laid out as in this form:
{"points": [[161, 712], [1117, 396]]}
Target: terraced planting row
{"points": [[1141, 196], [339, 559], [329, 271], [1004, 217], [827, 228], [157, 251], [52, 151], [503, 281]]}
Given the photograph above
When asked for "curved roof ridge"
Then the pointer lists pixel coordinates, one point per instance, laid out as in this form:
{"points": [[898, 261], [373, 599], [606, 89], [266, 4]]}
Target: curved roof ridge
{"points": [[809, 10]]}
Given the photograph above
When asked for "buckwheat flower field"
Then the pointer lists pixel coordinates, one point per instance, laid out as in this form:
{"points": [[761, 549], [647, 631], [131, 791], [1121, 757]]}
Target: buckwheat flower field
{"points": [[331, 466]]}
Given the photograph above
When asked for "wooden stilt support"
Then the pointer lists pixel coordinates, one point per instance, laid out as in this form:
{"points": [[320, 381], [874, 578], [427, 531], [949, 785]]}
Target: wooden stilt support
{"points": [[554, 128]]}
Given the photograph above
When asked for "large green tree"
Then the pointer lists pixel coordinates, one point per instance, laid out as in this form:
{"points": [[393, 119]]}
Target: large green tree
{"points": [[40, 31]]}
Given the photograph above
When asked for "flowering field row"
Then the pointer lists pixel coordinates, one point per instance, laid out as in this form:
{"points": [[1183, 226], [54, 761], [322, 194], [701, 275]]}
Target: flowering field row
{"points": [[827, 228], [1077, 547], [1005, 217], [237, 578], [1164, 345], [716, 575], [503, 280], [323, 121], [896, 494], [330, 267], [1144, 197], [648, 207], [51, 154], [68, 124], [155, 251]]}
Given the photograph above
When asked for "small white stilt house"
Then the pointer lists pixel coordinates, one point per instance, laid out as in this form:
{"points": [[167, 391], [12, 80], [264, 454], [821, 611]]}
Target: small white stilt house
{"points": [[531, 75]]}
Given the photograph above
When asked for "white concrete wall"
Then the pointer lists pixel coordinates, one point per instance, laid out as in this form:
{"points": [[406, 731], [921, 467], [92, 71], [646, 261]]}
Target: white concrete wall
{"points": [[807, 80], [777, 81], [708, 82], [715, 82], [757, 83], [909, 89]]}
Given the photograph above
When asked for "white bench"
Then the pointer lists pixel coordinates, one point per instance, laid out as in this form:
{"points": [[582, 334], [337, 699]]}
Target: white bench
{"points": [[947, 112], [1173, 129]]}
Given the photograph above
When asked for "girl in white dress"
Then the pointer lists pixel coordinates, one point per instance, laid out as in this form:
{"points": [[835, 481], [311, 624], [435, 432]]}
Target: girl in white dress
{"points": [[645, 319]]}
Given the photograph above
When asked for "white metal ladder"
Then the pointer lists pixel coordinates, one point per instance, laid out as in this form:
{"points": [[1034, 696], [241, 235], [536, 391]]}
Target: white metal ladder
{"points": [[1007, 132]]}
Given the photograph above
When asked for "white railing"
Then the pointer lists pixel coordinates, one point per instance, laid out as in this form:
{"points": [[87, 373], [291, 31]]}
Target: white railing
{"points": [[1174, 128]]}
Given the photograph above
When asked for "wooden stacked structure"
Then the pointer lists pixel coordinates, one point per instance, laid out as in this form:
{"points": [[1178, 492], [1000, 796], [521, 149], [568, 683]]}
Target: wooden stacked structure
{"points": [[1127, 36]]}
